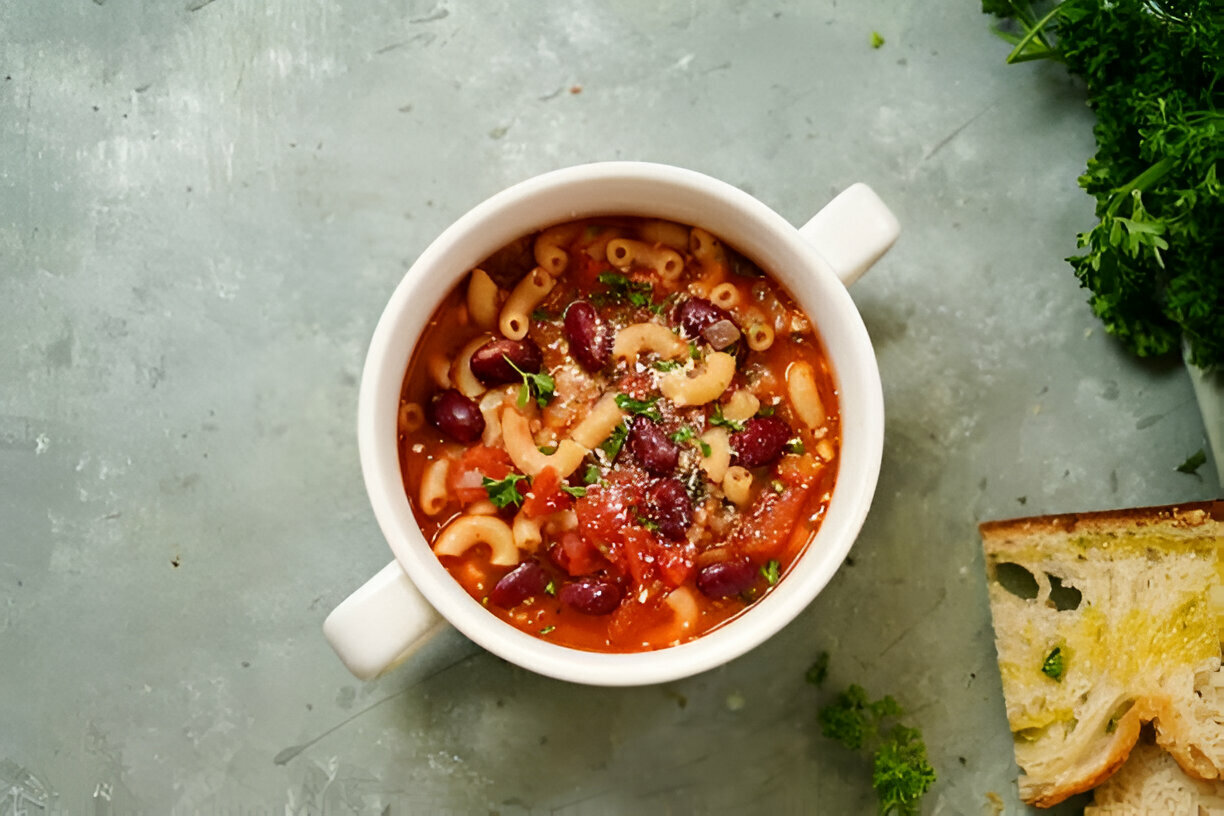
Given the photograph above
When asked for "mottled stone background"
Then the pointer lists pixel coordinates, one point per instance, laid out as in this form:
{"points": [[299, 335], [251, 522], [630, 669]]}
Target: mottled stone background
{"points": [[203, 206]]}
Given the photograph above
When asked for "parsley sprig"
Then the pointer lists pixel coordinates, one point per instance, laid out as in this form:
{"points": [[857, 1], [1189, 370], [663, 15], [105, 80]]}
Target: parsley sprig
{"points": [[504, 492], [541, 386], [1151, 71]]}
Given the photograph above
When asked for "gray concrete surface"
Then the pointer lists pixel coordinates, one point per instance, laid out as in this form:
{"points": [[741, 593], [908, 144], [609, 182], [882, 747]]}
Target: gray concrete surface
{"points": [[204, 204]]}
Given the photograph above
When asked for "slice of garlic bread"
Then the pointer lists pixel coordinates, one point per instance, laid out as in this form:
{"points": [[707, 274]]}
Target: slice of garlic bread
{"points": [[1104, 621], [1151, 783]]}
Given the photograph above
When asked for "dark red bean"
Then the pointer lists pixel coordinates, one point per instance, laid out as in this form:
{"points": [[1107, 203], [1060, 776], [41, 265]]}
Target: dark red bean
{"points": [[696, 313], [456, 416], [652, 448], [489, 362], [590, 341], [761, 442], [725, 578], [526, 580], [667, 504], [591, 597]]}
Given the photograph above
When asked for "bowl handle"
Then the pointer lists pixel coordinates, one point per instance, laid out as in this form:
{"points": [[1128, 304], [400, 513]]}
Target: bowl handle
{"points": [[852, 232], [381, 624]]}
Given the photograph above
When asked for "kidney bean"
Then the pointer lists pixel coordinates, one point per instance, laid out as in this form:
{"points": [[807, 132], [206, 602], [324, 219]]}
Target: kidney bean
{"points": [[696, 313], [519, 584], [589, 339], [456, 416], [489, 361], [652, 448], [761, 442], [667, 504], [591, 597], [724, 578]]}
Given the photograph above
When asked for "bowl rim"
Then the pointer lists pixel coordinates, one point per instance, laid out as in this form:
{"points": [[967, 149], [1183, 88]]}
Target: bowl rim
{"points": [[651, 190]]}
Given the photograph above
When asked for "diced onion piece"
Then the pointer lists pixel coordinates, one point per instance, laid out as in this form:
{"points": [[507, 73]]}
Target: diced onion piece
{"points": [[721, 334]]}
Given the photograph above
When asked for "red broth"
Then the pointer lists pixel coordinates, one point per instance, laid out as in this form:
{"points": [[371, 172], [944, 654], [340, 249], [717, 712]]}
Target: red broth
{"points": [[618, 434]]}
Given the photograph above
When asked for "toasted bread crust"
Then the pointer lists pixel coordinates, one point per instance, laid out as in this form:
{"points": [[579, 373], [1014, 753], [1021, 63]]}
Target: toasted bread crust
{"points": [[1187, 516]]}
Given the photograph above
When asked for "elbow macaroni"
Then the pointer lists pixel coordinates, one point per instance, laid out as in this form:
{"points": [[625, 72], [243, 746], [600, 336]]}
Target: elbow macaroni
{"points": [[742, 406], [624, 253], [461, 369], [804, 396], [482, 300], [737, 485], [599, 422], [548, 251], [526, 295], [434, 493], [715, 463], [636, 338], [467, 531], [521, 446], [526, 532], [706, 386], [725, 295]]}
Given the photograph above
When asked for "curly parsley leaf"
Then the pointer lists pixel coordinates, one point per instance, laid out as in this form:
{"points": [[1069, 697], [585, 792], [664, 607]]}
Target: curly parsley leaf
{"points": [[504, 492], [901, 772], [541, 386], [612, 445]]}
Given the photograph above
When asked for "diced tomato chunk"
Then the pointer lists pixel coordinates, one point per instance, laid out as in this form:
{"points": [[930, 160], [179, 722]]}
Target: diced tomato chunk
{"points": [[675, 563], [545, 495], [763, 531], [476, 463], [576, 555]]}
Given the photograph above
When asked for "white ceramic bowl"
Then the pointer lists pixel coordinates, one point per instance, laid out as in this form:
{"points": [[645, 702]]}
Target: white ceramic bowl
{"points": [[395, 612]]}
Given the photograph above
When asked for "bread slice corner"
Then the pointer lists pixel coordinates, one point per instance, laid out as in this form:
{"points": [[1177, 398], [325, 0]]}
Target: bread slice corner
{"points": [[1105, 621]]}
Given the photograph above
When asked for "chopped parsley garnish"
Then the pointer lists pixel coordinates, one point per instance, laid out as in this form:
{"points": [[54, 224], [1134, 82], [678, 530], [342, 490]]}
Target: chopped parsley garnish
{"points": [[541, 315], [650, 525], [818, 672], [796, 447], [1193, 463], [592, 475], [547, 629], [547, 450], [644, 408], [551, 588], [665, 365], [694, 352], [542, 386], [683, 435], [706, 450], [504, 492], [615, 440], [901, 772], [778, 486], [766, 411], [1054, 666], [623, 290], [771, 572], [576, 492], [717, 418]]}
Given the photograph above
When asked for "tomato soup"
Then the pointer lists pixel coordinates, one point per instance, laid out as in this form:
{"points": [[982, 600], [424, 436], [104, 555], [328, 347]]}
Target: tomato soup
{"points": [[618, 433]]}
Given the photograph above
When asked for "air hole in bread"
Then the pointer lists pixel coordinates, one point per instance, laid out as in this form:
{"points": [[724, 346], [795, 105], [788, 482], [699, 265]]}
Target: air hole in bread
{"points": [[1064, 598], [1017, 580]]}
